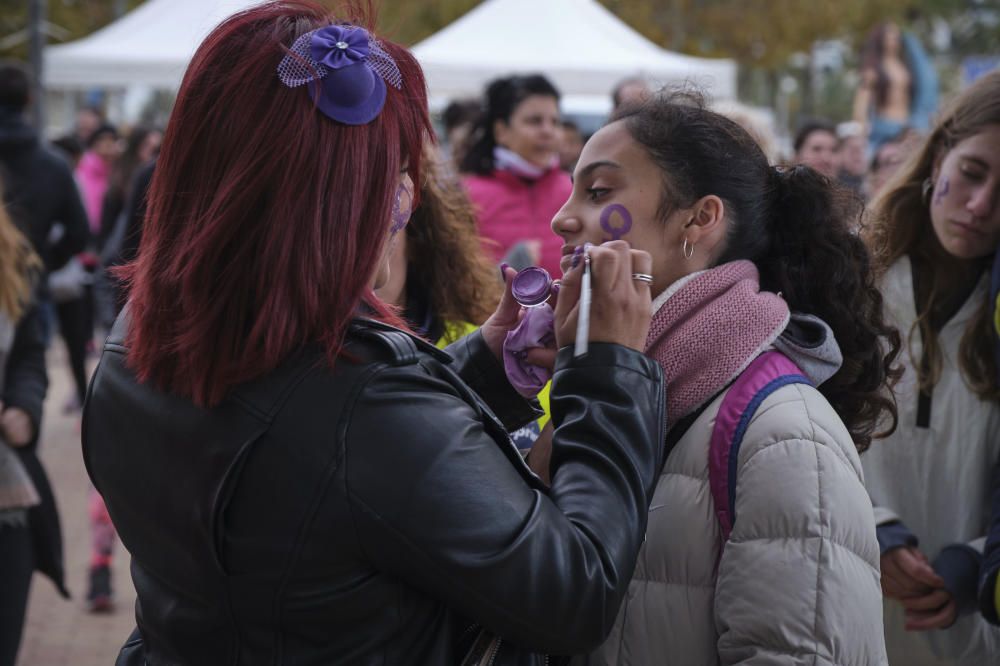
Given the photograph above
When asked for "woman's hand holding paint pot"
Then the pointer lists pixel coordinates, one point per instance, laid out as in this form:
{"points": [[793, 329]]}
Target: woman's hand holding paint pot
{"points": [[620, 304], [505, 318], [508, 316]]}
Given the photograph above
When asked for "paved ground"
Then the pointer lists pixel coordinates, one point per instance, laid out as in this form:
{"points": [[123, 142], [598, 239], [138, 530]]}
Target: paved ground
{"points": [[60, 632]]}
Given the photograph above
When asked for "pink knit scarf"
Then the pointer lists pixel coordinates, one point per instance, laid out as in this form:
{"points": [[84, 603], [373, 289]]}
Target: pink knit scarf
{"points": [[709, 331]]}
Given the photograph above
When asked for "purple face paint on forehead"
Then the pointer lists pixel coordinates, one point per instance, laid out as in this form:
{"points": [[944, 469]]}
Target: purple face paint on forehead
{"points": [[401, 209], [608, 217], [942, 189]]}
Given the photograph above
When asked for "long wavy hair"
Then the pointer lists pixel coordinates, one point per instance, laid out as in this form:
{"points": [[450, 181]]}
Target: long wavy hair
{"points": [[266, 218], [444, 252], [796, 228], [900, 225], [19, 266]]}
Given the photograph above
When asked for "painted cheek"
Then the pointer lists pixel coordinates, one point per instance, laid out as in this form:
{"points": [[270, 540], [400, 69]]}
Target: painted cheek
{"points": [[941, 190], [616, 221], [401, 209]]}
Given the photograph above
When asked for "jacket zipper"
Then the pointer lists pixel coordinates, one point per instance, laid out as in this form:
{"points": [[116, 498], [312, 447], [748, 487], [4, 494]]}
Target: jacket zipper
{"points": [[495, 651], [664, 419]]}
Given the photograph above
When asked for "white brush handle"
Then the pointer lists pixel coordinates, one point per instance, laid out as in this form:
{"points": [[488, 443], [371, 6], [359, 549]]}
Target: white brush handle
{"points": [[583, 316]]}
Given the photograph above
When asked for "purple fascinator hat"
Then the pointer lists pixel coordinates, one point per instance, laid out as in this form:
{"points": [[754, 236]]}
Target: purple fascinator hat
{"points": [[346, 69]]}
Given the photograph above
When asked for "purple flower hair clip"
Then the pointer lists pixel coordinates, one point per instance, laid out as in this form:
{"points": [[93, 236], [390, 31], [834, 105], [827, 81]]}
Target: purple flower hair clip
{"points": [[350, 67]]}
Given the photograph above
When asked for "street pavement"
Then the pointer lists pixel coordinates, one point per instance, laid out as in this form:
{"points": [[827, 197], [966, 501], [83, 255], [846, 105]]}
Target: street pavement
{"points": [[59, 632]]}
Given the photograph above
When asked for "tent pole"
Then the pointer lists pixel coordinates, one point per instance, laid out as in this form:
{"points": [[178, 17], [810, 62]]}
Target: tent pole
{"points": [[36, 28]]}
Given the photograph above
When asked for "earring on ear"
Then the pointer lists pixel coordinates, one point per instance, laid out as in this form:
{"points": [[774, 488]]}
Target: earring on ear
{"points": [[687, 248], [925, 189]]}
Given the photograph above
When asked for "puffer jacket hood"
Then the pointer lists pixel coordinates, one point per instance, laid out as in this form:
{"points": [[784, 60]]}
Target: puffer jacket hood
{"points": [[809, 342]]}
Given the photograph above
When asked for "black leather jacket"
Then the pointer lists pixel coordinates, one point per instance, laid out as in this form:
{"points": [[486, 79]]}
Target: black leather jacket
{"points": [[370, 513]]}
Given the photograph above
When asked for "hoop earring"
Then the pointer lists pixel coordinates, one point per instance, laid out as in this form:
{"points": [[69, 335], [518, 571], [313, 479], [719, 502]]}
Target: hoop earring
{"points": [[925, 190], [688, 249]]}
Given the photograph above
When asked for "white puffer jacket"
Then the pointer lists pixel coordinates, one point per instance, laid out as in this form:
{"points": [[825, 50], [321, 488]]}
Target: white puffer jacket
{"points": [[798, 582]]}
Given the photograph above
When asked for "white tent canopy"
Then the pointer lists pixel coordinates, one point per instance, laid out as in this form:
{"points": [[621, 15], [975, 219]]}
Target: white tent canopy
{"points": [[580, 45], [150, 46]]}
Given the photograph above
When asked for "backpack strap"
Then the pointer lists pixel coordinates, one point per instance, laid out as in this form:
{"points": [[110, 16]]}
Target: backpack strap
{"points": [[765, 375]]}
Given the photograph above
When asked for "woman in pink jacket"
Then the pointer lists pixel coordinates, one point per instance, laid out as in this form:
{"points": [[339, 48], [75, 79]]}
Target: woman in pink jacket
{"points": [[512, 171], [94, 172]]}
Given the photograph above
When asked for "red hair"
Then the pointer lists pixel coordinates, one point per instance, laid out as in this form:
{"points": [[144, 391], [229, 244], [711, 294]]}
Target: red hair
{"points": [[266, 219]]}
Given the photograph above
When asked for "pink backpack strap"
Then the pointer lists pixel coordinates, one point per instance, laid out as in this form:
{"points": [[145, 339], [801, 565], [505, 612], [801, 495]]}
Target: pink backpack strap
{"points": [[766, 374]]}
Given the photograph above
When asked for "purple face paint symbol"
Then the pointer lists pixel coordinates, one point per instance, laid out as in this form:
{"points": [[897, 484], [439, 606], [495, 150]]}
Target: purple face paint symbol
{"points": [[400, 209], [617, 231], [941, 191]]}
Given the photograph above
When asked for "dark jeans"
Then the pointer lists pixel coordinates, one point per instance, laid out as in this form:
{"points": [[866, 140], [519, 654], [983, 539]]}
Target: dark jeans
{"points": [[47, 315], [76, 325], [16, 566]]}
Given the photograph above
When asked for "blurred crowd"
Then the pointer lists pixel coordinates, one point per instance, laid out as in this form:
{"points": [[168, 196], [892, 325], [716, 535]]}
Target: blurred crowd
{"points": [[515, 159], [73, 199], [504, 188]]}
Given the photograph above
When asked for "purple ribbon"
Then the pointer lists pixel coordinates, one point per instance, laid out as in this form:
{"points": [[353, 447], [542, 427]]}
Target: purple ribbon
{"points": [[338, 46]]}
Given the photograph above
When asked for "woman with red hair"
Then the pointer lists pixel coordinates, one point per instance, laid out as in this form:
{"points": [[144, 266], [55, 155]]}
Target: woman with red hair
{"points": [[297, 479]]}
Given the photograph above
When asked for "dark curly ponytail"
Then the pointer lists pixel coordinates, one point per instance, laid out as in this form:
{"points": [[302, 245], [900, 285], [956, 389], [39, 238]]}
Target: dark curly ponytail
{"points": [[821, 267], [797, 228]]}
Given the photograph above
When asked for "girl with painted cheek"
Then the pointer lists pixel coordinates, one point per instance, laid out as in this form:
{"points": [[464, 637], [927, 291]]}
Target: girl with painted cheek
{"points": [[934, 232], [440, 275], [402, 209], [747, 260]]}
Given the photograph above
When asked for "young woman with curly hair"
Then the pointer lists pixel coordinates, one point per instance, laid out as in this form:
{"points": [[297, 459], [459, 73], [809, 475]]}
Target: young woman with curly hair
{"points": [[747, 259], [441, 276], [934, 232]]}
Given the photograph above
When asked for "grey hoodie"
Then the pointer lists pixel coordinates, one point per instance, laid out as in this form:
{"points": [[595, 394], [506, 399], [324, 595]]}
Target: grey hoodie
{"points": [[809, 342]]}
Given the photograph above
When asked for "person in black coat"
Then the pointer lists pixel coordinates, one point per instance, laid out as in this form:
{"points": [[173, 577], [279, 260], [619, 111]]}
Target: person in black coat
{"points": [[29, 529], [40, 192], [39, 186], [122, 243], [297, 479]]}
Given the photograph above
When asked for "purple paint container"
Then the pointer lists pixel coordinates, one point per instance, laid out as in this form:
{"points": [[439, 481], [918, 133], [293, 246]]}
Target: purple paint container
{"points": [[531, 286]]}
